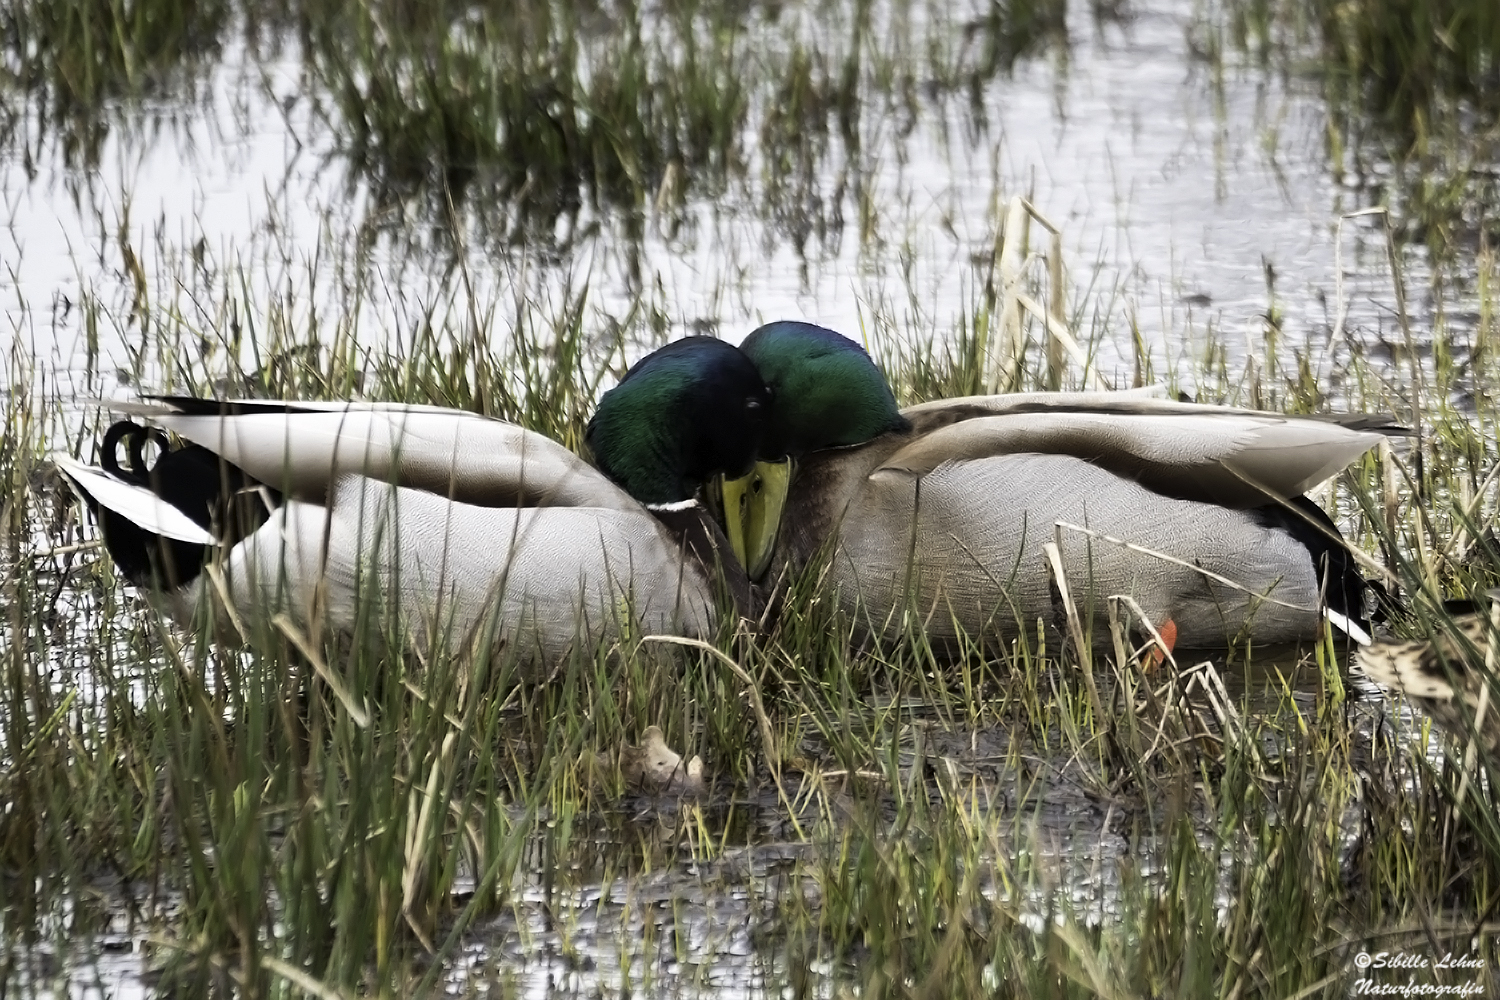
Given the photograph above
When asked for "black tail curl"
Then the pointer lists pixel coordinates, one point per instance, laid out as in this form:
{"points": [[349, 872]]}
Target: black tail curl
{"points": [[217, 496], [1345, 589]]}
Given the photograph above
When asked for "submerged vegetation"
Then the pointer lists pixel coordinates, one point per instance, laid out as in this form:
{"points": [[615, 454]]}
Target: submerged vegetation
{"points": [[324, 818], [532, 111], [63, 64], [1407, 57]]}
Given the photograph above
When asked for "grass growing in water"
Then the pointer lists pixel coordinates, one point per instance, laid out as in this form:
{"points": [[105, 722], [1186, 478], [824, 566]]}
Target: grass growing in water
{"points": [[898, 821], [258, 828], [540, 117], [1415, 81]]}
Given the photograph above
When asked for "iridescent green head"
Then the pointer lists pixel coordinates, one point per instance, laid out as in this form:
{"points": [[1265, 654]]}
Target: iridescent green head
{"points": [[682, 415], [825, 390], [825, 393]]}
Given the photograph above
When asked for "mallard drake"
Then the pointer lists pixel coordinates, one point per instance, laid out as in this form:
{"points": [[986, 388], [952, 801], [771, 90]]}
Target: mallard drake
{"points": [[1452, 676], [942, 510], [453, 519]]}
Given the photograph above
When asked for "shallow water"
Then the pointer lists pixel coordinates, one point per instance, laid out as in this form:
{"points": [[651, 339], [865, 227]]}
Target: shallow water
{"points": [[1179, 189], [1192, 202]]}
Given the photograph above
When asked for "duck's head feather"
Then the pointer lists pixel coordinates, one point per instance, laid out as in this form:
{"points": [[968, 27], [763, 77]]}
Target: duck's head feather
{"points": [[691, 410]]}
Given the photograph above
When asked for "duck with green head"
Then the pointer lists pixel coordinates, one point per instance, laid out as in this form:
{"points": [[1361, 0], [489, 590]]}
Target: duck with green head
{"points": [[454, 521], [943, 509]]}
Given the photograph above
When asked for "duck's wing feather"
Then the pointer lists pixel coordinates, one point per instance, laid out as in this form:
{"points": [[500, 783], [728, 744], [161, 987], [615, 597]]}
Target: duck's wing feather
{"points": [[938, 412], [1212, 454], [302, 448], [135, 503], [1145, 401]]}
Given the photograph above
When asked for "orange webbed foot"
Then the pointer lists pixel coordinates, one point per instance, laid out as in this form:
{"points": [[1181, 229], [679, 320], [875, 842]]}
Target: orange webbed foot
{"points": [[1160, 651]]}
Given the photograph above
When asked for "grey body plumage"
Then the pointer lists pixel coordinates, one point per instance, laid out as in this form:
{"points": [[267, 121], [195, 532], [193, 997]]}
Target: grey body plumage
{"points": [[458, 523], [942, 510]]}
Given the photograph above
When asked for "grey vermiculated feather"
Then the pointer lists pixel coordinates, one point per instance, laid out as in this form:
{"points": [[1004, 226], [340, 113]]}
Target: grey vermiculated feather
{"points": [[964, 556], [939, 514], [950, 521], [548, 579]]}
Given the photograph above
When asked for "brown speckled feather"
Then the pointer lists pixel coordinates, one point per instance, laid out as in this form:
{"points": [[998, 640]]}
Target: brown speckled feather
{"points": [[1451, 677]]}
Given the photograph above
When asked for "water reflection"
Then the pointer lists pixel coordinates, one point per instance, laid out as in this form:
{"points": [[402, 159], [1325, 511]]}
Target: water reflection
{"points": [[66, 65], [285, 186], [711, 171]]}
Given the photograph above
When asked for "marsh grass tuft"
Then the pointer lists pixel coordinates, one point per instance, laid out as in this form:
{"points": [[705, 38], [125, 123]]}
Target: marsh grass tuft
{"points": [[317, 815], [1418, 79]]}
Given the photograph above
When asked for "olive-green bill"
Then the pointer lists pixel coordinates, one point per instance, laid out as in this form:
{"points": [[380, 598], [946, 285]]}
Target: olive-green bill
{"points": [[751, 507]]}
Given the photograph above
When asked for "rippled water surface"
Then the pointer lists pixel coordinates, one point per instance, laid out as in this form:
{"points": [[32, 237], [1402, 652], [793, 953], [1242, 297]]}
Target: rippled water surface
{"points": [[1199, 197], [1196, 196]]}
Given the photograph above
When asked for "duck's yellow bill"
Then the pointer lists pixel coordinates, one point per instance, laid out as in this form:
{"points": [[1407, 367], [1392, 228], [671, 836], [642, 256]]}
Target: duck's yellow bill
{"points": [[752, 508]]}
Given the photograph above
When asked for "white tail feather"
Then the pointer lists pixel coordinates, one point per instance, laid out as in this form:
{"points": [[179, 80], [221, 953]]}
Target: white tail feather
{"points": [[1348, 626], [134, 503]]}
